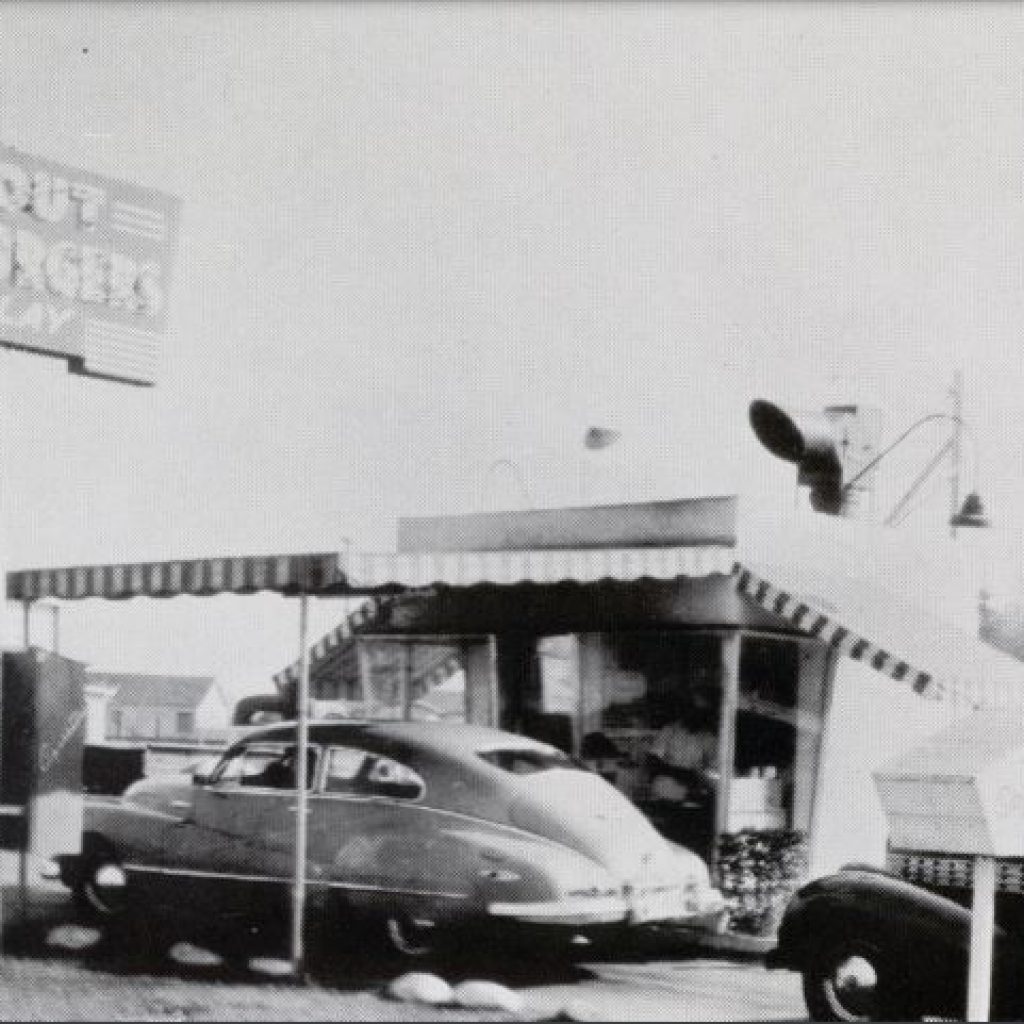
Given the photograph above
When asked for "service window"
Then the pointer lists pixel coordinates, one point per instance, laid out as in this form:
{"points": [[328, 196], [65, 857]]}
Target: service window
{"points": [[356, 772]]}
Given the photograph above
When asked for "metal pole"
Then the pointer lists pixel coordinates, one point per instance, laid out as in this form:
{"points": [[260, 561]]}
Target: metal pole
{"points": [[23, 843], [26, 623], [954, 482], [726, 735], [407, 671], [983, 904], [302, 746], [493, 684], [365, 677]]}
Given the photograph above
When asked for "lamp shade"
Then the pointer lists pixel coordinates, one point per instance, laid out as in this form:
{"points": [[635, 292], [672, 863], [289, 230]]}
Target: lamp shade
{"points": [[972, 513]]}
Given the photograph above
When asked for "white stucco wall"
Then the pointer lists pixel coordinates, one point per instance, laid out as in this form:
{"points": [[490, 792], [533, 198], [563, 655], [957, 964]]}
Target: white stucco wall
{"points": [[213, 714], [872, 719]]}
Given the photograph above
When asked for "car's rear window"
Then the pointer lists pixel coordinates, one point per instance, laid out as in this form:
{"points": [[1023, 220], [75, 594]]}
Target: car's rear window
{"points": [[526, 761]]}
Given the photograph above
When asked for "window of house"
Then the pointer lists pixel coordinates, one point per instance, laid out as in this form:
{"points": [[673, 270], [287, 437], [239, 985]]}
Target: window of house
{"points": [[186, 723]]}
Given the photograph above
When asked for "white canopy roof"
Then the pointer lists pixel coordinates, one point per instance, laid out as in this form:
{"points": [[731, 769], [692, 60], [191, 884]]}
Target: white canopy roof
{"points": [[876, 596]]}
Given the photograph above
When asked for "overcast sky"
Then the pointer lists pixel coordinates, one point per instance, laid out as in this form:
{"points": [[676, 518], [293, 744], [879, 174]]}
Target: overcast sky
{"points": [[418, 239]]}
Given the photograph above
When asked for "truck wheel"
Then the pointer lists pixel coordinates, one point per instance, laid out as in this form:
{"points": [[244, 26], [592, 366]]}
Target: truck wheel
{"points": [[849, 981]]}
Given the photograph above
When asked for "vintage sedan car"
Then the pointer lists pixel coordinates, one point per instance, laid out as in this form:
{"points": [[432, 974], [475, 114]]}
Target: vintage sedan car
{"points": [[872, 946], [422, 827]]}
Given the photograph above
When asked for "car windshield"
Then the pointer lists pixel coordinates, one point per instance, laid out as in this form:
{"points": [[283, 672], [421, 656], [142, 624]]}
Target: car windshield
{"points": [[529, 760]]}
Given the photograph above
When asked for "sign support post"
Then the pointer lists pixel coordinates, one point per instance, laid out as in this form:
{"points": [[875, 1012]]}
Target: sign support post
{"points": [[983, 905], [301, 795], [23, 845]]}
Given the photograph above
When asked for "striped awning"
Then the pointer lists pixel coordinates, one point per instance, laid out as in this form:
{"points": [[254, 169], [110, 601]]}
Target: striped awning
{"points": [[902, 605], [336, 640], [286, 574], [350, 574], [895, 633], [811, 619], [579, 565]]}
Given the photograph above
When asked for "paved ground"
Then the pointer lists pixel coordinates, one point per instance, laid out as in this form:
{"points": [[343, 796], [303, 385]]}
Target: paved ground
{"points": [[53, 972], [698, 989]]}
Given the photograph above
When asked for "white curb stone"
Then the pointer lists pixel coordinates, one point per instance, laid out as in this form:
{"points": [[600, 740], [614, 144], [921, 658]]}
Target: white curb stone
{"points": [[488, 995], [72, 936], [419, 987], [187, 954]]}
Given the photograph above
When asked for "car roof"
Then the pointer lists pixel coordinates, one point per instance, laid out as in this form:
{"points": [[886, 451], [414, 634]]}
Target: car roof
{"points": [[442, 738]]}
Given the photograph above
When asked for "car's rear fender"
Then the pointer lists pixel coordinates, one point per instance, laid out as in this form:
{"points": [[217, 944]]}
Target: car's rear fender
{"points": [[893, 915], [510, 864]]}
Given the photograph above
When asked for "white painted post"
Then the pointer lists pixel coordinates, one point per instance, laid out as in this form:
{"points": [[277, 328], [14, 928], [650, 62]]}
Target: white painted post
{"points": [[983, 906], [302, 745], [731, 644]]}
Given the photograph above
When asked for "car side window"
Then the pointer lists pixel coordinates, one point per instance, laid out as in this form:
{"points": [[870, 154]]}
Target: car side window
{"points": [[264, 766], [359, 773]]}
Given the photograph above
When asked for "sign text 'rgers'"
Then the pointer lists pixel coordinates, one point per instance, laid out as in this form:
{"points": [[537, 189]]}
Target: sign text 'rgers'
{"points": [[85, 266]]}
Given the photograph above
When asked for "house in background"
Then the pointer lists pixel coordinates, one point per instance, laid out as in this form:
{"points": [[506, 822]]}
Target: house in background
{"points": [[132, 706]]}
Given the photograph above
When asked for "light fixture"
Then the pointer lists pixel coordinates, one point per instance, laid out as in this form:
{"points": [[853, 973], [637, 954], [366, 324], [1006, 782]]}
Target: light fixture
{"points": [[971, 514]]}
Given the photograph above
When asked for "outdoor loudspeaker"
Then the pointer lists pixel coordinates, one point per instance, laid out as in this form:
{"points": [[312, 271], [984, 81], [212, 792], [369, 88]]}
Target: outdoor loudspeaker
{"points": [[815, 442]]}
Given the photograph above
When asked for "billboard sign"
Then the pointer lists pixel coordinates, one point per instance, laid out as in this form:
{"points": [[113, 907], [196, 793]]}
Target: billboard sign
{"points": [[85, 264]]}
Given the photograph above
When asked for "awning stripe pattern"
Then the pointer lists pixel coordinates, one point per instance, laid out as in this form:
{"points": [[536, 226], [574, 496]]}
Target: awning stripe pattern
{"points": [[357, 573], [580, 565], [288, 574], [472, 568], [344, 633], [818, 624]]}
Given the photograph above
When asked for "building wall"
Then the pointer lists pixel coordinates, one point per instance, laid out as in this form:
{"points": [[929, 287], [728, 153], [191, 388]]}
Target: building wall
{"points": [[212, 715], [872, 719], [129, 722], [207, 720]]}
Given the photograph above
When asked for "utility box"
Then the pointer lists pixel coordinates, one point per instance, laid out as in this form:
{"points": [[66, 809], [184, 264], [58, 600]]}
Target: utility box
{"points": [[42, 735], [962, 791]]}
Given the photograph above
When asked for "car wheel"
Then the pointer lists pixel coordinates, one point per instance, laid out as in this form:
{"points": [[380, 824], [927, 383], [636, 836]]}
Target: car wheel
{"points": [[848, 981], [409, 938], [101, 892]]}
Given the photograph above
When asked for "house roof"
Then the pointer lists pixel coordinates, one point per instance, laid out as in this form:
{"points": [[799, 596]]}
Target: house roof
{"points": [[135, 689]]}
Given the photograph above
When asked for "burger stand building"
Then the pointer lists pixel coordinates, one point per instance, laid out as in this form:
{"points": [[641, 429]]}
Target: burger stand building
{"points": [[826, 645]]}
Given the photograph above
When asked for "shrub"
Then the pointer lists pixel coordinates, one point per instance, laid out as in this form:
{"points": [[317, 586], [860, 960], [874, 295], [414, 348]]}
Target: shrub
{"points": [[757, 873]]}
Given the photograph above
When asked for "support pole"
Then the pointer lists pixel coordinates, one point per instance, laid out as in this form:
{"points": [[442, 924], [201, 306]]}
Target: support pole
{"points": [[365, 677], [983, 906], [301, 796], [954, 480], [727, 733], [493, 684], [23, 843], [406, 691]]}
